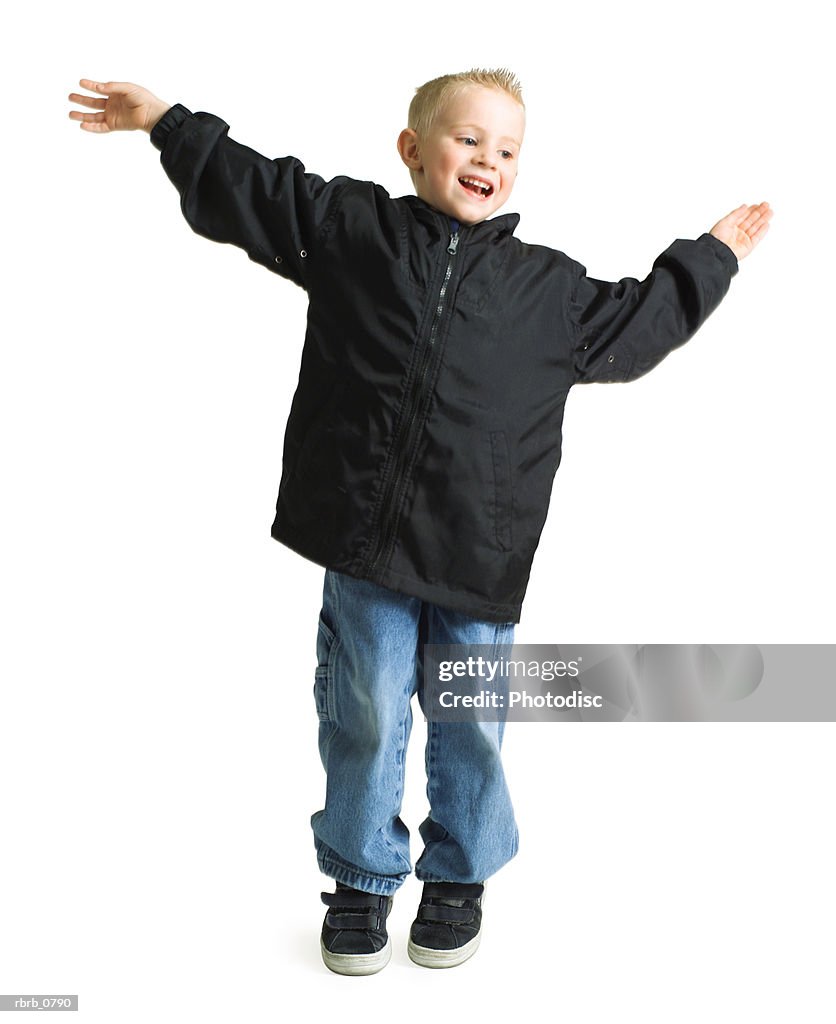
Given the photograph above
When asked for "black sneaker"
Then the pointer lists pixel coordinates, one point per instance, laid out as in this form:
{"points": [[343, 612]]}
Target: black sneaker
{"points": [[354, 939], [447, 929]]}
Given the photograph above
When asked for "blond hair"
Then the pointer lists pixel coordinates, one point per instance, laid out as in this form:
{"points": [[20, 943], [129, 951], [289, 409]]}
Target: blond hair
{"points": [[431, 97]]}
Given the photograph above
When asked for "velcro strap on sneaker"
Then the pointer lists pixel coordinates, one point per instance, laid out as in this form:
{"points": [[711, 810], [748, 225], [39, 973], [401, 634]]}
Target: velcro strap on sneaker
{"points": [[440, 914], [352, 922], [453, 890], [343, 898]]}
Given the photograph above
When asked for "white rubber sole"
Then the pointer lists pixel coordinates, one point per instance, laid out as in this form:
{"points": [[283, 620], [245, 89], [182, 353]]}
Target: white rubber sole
{"points": [[357, 964], [426, 957]]}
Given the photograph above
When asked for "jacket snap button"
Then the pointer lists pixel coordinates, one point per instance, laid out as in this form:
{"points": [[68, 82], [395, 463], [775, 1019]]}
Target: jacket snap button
{"points": [[278, 259], [611, 359], [303, 253]]}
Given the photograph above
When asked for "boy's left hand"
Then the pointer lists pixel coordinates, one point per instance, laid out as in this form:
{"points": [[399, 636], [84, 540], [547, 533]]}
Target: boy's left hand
{"points": [[743, 228]]}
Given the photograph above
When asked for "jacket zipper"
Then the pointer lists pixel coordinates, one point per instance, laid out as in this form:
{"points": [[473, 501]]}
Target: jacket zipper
{"points": [[394, 490]]}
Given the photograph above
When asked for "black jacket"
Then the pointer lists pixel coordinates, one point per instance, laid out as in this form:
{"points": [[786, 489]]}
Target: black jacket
{"points": [[425, 431]]}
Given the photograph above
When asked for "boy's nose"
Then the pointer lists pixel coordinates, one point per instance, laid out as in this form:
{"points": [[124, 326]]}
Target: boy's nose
{"points": [[485, 158]]}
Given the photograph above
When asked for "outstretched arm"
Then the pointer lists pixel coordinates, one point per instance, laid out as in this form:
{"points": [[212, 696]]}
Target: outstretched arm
{"points": [[743, 228], [624, 328], [120, 106], [273, 209]]}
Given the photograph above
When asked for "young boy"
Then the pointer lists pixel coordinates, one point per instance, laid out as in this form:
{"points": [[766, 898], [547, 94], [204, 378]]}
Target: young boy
{"points": [[420, 451]]}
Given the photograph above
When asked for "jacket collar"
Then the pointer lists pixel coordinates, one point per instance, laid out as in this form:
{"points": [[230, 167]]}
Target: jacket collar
{"points": [[486, 230]]}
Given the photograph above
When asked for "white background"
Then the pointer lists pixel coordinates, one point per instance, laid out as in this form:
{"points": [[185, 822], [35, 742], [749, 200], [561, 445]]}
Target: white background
{"points": [[158, 737]]}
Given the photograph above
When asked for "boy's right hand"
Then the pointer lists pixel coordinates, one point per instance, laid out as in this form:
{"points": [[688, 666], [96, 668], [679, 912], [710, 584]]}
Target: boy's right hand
{"points": [[122, 106]]}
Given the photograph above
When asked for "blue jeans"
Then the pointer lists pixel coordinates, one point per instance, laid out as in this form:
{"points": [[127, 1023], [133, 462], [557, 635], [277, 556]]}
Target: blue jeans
{"points": [[370, 664]]}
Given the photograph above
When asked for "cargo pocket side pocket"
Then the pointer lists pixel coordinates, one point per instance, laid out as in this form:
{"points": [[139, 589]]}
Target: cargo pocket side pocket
{"points": [[323, 690], [502, 489]]}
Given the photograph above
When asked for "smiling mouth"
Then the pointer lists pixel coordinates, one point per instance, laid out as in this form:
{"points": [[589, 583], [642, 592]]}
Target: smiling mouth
{"points": [[476, 187]]}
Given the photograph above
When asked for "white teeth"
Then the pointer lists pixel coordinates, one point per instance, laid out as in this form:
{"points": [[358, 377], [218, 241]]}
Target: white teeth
{"points": [[476, 181]]}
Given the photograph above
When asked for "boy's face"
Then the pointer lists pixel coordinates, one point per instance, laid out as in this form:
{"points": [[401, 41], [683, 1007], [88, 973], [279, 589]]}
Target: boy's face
{"points": [[467, 163]]}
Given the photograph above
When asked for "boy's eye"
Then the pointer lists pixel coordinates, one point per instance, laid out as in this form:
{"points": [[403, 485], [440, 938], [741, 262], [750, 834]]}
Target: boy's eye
{"points": [[506, 154], [469, 141]]}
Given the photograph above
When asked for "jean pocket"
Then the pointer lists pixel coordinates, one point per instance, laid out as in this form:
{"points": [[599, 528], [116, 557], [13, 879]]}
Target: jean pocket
{"points": [[503, 495], [323, 690]]}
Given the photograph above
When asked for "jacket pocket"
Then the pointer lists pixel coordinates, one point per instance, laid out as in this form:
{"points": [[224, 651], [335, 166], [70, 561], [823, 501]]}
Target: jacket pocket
{"points": [[503, 495], [311, 448]]}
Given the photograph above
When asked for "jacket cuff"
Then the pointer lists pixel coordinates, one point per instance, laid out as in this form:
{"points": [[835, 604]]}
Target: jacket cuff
{"points": [[170, 120], [722, 250]]}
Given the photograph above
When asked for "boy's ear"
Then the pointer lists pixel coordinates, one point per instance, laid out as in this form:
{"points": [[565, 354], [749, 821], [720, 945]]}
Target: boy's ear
{"points": [[408, 149]]}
